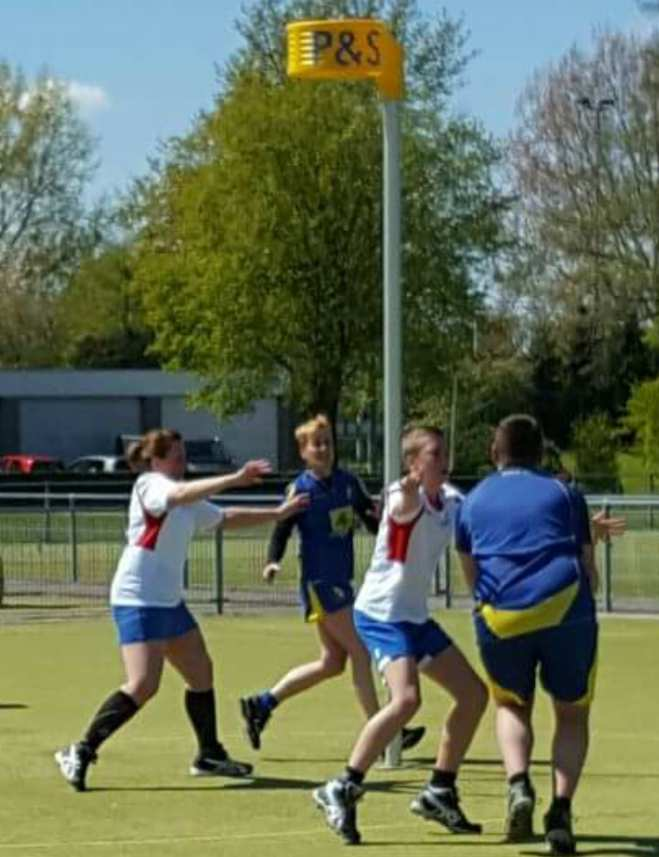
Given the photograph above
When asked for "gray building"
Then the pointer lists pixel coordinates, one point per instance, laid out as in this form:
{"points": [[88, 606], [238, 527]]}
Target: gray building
{"points": [[67, 413]]}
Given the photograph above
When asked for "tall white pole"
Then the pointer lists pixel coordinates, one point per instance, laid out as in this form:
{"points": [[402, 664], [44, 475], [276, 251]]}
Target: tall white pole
{"points": [[392, 336]]}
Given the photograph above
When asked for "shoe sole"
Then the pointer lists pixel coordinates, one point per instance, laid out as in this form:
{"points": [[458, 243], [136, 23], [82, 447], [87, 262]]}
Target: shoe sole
{"points": [[560, 842], [412, 737], [349, 839], [519, 824], [200, 772], [253, 736], [423, 813]]}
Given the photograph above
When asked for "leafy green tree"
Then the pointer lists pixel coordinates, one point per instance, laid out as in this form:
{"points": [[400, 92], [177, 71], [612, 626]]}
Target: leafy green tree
{"points": [[584, 166], [100, 316], [642, 418], [258, 256], [595, 447], [46, 160], [489, 383]]}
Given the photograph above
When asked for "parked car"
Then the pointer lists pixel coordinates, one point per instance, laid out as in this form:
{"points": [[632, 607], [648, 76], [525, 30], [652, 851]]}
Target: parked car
{"points": [[204, 455], [98, 464], [23, 463], [208, 455]]}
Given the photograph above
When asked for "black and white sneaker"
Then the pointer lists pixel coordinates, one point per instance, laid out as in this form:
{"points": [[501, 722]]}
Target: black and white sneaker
{"points": [[411, 737], [255, 717], [519, 817], [73, 762], [218, 763], [338, 800], [558, 831], [443, 805]]}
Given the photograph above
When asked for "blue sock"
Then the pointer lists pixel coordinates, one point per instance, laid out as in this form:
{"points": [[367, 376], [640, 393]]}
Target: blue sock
{"points": [[267, 700]]}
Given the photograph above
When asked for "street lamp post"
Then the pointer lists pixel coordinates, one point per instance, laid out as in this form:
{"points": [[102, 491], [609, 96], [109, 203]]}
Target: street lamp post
{"points": [[597, 107]]}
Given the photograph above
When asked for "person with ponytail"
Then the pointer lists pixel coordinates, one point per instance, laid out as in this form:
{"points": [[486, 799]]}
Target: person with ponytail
{"points": [[153, 622]]}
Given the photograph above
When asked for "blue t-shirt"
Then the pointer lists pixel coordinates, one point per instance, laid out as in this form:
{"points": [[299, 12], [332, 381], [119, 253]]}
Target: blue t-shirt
{"points": [[326, 526], [525, 530]]}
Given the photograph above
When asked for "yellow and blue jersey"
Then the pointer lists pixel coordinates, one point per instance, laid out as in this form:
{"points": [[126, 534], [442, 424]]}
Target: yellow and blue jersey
{"points": [[326, 526], [526, 530]]}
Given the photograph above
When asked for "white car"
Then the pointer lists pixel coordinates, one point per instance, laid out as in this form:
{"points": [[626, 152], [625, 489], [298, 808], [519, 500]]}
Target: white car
{"points": [[98, 464]]}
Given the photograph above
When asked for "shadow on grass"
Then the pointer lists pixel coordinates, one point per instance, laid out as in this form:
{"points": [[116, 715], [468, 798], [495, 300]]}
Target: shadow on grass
{"points": [[12, 705], [276, 783], [47, 607], [499, 764], [634, 846], [466, 841]]}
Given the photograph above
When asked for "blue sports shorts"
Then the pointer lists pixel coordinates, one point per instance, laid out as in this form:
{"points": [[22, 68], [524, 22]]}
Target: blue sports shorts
{"points": [[139, 624], [565, 657], [320, 597], [388, 641]]}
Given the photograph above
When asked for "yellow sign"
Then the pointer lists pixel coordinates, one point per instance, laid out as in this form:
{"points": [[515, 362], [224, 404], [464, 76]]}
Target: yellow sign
{"points": [[347, 49]]}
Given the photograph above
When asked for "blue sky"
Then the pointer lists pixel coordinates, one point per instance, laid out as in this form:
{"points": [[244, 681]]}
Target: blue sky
{"points": [[141, 69]]}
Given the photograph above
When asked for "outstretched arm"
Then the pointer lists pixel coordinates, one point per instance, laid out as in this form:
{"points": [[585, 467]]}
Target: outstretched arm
{"points": [[186, 493], [237, 516]]}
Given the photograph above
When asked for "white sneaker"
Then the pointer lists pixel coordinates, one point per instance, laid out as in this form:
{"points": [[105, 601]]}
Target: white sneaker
{"points": [[73, 762]]}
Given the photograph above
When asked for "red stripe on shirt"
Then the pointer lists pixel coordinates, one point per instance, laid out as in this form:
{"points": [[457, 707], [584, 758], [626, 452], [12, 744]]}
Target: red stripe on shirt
{"points": [[152, 527], [399, 538]]}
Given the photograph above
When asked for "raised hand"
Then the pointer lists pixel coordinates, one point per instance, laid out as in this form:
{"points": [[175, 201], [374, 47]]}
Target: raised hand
{"points": [[410, 483], [252, 472], [604, 528], [295, 504]]}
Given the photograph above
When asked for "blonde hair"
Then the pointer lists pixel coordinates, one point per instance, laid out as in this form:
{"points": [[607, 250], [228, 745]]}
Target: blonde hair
{"points": [[413, 439], [304, 431], [154, 444]]}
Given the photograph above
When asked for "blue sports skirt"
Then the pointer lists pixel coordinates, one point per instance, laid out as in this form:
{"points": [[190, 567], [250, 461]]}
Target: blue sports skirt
{"points": [[139, 624]]}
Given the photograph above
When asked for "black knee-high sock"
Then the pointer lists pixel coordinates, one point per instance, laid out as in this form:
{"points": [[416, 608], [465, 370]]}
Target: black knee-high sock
{"points": [[200, 706], [115, 711]]}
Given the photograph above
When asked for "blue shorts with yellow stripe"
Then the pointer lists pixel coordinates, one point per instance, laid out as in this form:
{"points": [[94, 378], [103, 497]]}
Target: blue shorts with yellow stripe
{"points": [[564, 653], [319, 597]]}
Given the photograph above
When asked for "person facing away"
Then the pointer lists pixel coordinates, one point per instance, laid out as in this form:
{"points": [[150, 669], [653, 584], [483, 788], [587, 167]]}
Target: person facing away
{"points": [[326, 535], [524, 541], [392, 618], [153, 622]]}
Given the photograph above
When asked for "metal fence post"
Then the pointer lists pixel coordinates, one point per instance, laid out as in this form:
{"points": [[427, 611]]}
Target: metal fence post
{"points": [[448, 591], [652, 507], [608, 548], [219, 570], [46, 509], [73, 537]]}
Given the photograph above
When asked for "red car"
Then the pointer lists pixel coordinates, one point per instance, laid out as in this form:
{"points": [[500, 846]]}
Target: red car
{"points": [[29, 464]]}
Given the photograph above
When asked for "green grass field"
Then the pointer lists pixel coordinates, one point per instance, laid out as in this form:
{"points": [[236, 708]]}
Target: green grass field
{"points": [[143, 802]]}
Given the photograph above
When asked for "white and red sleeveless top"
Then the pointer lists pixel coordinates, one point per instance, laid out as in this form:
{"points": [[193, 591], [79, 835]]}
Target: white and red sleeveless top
{"points": [[150, 570], [399, 579]]}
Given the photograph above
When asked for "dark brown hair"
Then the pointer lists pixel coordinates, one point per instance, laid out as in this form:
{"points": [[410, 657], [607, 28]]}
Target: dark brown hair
{"points": [[518, 440], [154, 444]]}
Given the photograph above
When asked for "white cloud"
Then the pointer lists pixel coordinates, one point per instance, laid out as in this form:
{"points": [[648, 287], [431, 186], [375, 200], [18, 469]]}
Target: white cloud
{"points": [[87, 96]]}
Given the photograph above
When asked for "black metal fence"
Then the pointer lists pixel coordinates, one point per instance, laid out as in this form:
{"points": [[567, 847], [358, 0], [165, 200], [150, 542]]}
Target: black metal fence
{"points": [[61, 550]]}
